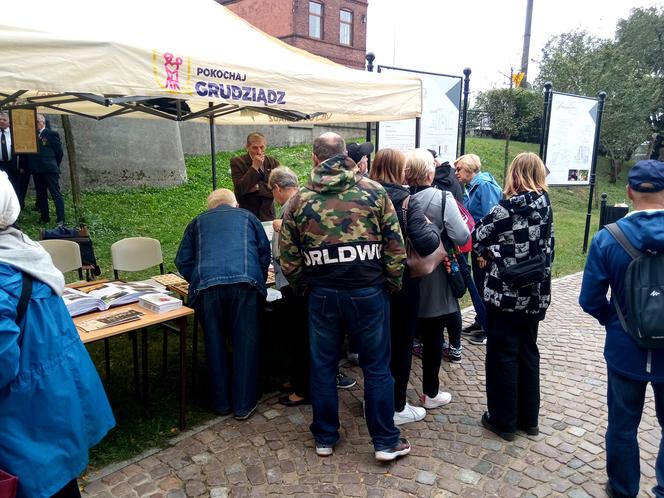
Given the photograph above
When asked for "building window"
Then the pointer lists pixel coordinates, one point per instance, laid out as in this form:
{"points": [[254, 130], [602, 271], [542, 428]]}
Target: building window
{"points": [[345, 27], [315, 20]]}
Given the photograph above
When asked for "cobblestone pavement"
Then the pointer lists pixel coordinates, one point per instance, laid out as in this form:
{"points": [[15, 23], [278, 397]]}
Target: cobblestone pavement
{"points": [[272, 454]]}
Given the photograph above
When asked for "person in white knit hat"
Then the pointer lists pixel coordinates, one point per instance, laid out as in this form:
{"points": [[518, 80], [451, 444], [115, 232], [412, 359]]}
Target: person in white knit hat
{"points": [[43, 363]]}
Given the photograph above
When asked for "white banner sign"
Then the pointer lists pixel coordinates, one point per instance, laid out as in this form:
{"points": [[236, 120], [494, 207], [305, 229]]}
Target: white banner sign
{"points": [[439, 124], [569, 151]]}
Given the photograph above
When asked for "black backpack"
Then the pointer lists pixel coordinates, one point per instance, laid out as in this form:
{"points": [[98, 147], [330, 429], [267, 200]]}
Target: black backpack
{"points": [[644, 294]]}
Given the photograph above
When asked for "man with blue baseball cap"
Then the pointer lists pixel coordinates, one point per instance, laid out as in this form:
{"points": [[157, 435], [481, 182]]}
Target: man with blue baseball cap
{"points": [[630, 366]]}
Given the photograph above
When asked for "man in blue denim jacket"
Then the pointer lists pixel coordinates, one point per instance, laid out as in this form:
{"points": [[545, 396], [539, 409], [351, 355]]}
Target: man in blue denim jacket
{"points": [[629, 367], [224, 255]]}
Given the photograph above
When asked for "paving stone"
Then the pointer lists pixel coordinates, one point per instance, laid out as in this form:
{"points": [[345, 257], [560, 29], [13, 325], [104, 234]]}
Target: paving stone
{"points": [[424, 477], [272, 453]]}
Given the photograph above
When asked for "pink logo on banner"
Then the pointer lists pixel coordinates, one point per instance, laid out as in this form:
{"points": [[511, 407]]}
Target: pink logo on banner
{"points": [[172, 67]]}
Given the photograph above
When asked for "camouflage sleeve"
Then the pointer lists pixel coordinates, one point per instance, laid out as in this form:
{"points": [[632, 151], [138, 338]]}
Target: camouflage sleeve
{"points": [[394, 250], [290, 257]]}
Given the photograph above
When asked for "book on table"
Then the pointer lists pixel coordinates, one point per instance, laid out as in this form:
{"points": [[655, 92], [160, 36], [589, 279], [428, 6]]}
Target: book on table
{"points": [[110, 319], [103, 296], [159, 303]]}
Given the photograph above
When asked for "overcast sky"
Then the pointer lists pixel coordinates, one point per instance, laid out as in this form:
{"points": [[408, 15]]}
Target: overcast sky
{"points": [[445, 36]]}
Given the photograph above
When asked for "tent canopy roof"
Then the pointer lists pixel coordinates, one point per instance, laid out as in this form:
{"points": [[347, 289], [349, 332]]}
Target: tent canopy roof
{"points": [[180, 60]]}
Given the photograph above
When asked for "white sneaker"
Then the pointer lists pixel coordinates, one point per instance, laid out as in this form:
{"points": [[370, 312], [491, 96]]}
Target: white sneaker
{"points": [[442, 398], [409, 414]]}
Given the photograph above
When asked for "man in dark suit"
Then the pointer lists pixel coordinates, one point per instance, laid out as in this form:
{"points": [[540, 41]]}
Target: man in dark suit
{"points": [[8, 160], [250, 173], [45, 168]]}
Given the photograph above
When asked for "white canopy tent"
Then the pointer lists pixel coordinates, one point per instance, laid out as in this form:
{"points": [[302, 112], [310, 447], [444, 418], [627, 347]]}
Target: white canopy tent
{"points": [[181, 61]]}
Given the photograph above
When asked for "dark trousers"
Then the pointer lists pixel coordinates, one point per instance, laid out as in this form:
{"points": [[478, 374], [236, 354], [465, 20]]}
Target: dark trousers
{"points": [[478, 275], [512, 370], [231, 312], [625, 398], [363, 312], [294, 314], [70, 490], [50, 182], [431, 335], [403, 325], [453, 324]]}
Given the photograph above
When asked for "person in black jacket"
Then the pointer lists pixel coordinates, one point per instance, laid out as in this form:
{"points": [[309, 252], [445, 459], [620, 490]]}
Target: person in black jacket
{"points": [[388, 169], [45, 168], [445, 179]]}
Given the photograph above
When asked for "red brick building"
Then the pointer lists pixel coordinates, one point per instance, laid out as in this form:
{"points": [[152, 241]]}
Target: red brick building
{"points": [[336, 29]]}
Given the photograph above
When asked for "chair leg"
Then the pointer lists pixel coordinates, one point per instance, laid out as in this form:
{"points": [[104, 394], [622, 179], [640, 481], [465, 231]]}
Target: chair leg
{"points": [[107, 358], [194, 357], [134, 350], [165, 352]]}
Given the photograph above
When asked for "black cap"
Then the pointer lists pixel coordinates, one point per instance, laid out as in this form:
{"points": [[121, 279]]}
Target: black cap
{"points": [[356, 151]]}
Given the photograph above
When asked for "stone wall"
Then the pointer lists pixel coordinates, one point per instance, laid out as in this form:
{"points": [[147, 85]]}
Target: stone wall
{"points": [[126, 152]]}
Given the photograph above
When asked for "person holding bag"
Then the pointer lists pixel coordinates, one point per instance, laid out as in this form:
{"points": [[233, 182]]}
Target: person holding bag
{"points": [[388, 170], [438, 308], [516, 245], [53, 405]]}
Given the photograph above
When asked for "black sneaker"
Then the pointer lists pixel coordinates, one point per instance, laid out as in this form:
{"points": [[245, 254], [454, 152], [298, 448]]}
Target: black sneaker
{"points": [[478, 339], [246, 415], [453, 355], [345, 382], [471, 329], [400, 449]]}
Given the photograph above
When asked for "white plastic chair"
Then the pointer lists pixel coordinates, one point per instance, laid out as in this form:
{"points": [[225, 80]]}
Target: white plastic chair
{"points": [[66, 255], [136, 254]]}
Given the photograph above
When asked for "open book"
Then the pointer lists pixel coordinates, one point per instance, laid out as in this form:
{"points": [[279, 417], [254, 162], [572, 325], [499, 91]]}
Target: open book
{"points": [[104, 296]]}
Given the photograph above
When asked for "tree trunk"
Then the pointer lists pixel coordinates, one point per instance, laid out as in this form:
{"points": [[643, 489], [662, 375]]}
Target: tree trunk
{"points": [[73, 166], [615, 167]]}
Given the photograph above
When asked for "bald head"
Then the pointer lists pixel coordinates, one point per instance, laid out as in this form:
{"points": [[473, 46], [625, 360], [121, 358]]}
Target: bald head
{"points": [[328, 145]]}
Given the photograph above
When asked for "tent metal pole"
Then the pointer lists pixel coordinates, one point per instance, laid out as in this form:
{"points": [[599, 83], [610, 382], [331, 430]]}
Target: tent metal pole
{"points": [[370, 57], [213, 153], [464, 116]]}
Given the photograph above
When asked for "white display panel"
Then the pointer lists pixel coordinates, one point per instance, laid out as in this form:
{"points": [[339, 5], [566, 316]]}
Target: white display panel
{"points": [[439, 124], [569, 150]]}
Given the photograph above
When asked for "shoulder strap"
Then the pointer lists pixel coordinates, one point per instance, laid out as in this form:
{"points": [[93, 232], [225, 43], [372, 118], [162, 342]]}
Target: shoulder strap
{"points": [[26, 292], [619, 235], [442, 206]]}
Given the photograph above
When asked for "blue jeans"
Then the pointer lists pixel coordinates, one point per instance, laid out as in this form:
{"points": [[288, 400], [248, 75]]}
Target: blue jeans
{"points": [[231, 312], [362, 312], [626, 398]]}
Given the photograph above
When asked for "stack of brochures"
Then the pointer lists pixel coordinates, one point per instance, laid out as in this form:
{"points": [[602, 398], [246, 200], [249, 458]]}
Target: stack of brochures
{"points": [[103, 296], [159, 303]]}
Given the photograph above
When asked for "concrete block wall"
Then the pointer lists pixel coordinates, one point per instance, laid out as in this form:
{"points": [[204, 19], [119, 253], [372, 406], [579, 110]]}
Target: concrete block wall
{"points": [[126, 152]]}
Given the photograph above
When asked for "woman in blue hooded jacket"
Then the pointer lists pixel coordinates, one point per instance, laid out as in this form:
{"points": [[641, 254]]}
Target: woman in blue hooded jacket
{"points": [[53, 407]]}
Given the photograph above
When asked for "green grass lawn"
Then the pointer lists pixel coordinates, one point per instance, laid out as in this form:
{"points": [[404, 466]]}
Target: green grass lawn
{"points": [[163, 213]]}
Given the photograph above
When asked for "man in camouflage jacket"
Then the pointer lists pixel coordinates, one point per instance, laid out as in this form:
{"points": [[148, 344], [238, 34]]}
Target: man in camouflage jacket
{"points": [[341, 243]]}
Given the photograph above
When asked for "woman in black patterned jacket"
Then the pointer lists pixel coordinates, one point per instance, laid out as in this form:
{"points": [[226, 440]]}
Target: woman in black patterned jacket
{"points": [[519, 228]]}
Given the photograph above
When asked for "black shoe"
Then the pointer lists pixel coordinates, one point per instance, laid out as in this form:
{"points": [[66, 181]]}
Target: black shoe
{"points": [[478, 339], [612, 494], [246, 415], [531, 431], [471, 329], [286, 401], [400, 449], [345, 382], [507, 436]]}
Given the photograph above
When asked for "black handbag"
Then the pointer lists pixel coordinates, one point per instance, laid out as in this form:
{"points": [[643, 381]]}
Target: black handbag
{"points": [[531, 271], [454, 276]]}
